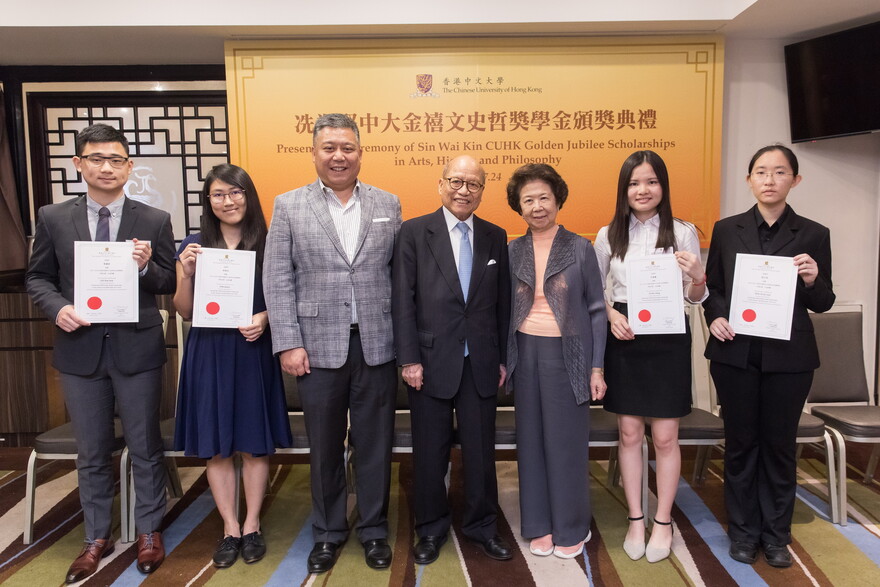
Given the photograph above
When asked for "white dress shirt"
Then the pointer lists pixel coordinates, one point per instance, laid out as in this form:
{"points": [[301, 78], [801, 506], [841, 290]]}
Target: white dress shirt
{"points": [[642, 242], [347, 220]]}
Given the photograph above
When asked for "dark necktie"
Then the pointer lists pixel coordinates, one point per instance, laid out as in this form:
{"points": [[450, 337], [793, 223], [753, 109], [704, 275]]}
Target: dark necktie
{"points": [[102, 233]]}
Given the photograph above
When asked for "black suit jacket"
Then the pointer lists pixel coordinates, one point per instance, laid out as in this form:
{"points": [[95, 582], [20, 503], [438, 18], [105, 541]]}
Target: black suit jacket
{"points": [[137, 347], [431, 319], [739, 234]]}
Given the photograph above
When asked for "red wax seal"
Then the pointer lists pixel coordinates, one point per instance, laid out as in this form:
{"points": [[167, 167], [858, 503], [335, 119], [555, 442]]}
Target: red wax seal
{"points": [[94, 303], [212, 308], [749, 315], [644, 315]]}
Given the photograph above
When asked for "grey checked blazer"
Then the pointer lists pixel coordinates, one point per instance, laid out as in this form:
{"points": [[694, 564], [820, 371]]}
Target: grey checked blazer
{"points": [[308, 279]]}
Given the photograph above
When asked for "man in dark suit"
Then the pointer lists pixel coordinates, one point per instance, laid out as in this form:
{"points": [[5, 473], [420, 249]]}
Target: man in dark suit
{"points": [[106, 364], [327, 278], [451, 312]]}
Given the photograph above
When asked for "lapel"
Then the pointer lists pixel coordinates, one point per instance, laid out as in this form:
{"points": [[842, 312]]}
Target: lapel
{"points": [[322, 214], [441, 248], [524, 262], [129, 219], [562, 253], [787, 232], [367, 201], [482, 249], [79, 217], [747, 230]]}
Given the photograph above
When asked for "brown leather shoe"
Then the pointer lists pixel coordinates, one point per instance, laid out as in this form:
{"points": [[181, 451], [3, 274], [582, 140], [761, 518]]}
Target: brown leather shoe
{"points": [[87, 562], [151, 553]]}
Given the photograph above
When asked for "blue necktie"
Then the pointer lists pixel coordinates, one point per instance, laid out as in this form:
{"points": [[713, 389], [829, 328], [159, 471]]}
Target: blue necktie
{"points": [[465, 265], [102, 232]]}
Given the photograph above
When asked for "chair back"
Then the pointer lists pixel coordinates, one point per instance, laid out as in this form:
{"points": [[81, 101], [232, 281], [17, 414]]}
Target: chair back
{"points": [[841, 376], [291, 393], [183, 327]]}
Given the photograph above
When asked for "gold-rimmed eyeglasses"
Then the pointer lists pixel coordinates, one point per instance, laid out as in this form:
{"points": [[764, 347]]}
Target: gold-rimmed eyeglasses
{"points": [[234, 195], [778, 175], [98, 160]]}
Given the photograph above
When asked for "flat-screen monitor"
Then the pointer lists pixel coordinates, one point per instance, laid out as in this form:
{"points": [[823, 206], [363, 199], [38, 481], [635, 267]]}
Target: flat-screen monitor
{"points": [[834, 84]]}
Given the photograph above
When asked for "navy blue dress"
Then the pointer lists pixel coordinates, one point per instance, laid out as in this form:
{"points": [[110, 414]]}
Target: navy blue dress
{"points": [[231, 396]]}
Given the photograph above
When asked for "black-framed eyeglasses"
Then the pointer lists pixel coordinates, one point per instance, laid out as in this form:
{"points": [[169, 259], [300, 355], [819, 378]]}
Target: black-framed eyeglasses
{"points": [[234, 195], [456, 183], [98, 160]]}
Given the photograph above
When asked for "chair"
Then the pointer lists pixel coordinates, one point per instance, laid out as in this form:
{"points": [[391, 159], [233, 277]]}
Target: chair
{"points": [[840, 385], [59, 443]]}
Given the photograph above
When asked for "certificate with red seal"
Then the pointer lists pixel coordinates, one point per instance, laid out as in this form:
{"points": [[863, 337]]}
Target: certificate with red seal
{"points": [[655, 298], [224, 288], [762, 300], [105, 281]]}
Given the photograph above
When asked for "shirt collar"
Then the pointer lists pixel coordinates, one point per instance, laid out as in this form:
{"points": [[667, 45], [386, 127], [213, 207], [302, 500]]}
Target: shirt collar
{"points": [[329, 193], [452, 221], [652, 221], [759, 220], [115, 206]]}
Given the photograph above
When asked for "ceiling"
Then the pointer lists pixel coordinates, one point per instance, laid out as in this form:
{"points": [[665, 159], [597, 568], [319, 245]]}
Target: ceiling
{"points": [[63, 33]]}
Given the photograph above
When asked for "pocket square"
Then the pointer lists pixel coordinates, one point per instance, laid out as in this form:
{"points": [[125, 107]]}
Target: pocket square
{"points": [[381, 220], [491, 262]]}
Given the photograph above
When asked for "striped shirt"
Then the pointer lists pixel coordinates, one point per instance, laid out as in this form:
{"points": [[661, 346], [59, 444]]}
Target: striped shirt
{"points": [[347, 219]]}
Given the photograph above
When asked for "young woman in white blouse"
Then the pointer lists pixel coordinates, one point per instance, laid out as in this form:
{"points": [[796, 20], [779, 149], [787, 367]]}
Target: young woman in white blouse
{"points": [[648, 376]]}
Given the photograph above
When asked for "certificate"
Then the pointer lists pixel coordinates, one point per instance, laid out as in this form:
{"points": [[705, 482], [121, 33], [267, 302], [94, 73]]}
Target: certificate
{"points": [[224, 288], [655, 296], [762, 301], [105, 281]]}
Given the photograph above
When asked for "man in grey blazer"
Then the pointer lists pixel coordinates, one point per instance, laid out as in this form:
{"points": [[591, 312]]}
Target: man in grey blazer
{"points": [[106, 364], [327, 280]]}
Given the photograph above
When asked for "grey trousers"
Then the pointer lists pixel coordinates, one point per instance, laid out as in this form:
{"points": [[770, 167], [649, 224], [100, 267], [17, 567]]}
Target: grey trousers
{"points": [[90, 402], [552, 438]]}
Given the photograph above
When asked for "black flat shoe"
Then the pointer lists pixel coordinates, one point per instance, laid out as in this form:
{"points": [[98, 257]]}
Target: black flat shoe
{"points": [[744, 552], [777, 556], [227, 552], [377, 553], [253, 547], [428, 549], [497, 548], [323, 557]]}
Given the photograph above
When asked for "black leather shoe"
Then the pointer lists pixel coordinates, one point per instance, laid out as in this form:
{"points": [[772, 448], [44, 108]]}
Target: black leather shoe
{"points": [[253, 547], [323, 557], [377, 553], [497, 548], [744, 552], [227, 552], [777, 556], [428, 549]]}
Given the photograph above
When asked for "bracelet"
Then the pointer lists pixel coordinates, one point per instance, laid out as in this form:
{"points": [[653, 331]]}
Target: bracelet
{"points": [[700, 282], [598, 370]]}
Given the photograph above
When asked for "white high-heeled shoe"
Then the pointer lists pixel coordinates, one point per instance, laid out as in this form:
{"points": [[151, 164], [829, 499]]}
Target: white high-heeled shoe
{"points": [[558, 553], [634, 550], [654, 554]]}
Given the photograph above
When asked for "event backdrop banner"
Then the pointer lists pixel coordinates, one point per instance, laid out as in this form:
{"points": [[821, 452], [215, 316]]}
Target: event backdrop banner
{"points": [[581, 105]]}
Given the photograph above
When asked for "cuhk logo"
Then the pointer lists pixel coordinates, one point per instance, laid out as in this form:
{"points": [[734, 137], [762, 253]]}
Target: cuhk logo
{"points": [[424, 82]]}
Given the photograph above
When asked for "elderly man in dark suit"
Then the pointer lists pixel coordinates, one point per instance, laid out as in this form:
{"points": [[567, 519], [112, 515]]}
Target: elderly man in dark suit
{"points": [[106, 364], [451, 312], [327, 279]]}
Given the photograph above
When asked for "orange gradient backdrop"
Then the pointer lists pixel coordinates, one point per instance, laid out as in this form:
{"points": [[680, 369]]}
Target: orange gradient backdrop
{"points": [[581, 105]]}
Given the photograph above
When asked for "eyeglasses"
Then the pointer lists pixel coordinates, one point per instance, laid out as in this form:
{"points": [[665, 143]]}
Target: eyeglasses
{"points": [[776, 175], [99, 160], [234, 195], [456, 183]]}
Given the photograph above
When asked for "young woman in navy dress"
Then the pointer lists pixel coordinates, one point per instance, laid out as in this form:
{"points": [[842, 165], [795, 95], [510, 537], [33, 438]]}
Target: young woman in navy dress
{"points": [[231, 396]]}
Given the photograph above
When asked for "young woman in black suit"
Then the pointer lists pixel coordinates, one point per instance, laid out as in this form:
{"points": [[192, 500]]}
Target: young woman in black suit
{"points": [[763, 383]]}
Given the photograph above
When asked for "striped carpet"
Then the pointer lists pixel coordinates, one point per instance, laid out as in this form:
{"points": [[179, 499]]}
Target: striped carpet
{"points": [[824, 554]]}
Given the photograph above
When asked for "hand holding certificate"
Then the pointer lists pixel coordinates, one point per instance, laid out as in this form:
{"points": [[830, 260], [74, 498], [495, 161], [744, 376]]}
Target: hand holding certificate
{"points": [[762, 301], [224, 288], [655, 297], [105, 281]]}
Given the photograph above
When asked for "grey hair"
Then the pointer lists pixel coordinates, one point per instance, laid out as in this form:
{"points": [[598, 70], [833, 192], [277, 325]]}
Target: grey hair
{"points": [[335, 120]]}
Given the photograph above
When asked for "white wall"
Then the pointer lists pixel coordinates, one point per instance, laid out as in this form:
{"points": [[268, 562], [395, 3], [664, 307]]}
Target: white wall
{"points": [[841, 177]]}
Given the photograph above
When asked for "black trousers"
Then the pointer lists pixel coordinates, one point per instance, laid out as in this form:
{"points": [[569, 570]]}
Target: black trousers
{"points": [[365, 394], [761, 413], [432, 440]]}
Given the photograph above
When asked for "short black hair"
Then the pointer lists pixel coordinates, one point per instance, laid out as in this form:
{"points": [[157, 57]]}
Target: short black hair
{"points": [[536, 172], [99, 133], [789, 154], [336, 120]]}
